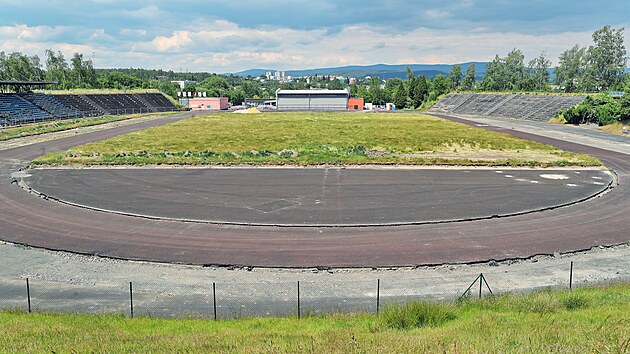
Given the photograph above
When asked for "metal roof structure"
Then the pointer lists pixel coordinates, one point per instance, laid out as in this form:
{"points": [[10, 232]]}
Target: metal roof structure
{"points": [[312, 92], [18, 85]]}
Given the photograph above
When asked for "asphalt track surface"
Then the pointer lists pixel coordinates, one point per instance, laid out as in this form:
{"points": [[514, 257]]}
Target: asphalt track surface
{"points": [[325, 197], [29, 219]]}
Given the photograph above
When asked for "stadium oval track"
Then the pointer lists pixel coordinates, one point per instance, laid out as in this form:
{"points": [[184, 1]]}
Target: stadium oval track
{"points": [[30, 220]]}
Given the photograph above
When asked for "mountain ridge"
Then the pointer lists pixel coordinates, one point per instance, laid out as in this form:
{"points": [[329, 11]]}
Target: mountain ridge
{"points": [[384, 71]]}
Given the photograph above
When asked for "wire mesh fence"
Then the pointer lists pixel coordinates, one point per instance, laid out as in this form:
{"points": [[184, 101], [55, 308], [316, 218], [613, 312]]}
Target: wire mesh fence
{"points": [[225, 300]]}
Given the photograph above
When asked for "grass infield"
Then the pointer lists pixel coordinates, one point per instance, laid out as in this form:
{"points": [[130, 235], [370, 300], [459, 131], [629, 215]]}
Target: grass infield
{"points": [[586, 320], [316, 139]]}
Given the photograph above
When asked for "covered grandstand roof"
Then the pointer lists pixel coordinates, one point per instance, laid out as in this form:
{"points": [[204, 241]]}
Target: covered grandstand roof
{"points": [[17, 85], [27, 83], [312, 92]]}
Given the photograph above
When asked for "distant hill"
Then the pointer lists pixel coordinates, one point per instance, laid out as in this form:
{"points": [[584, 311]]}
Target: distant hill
{"points": [[384, 71]]}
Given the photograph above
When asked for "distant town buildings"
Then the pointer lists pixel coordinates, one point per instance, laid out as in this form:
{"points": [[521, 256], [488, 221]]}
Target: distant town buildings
{"points": [[276, 75]]}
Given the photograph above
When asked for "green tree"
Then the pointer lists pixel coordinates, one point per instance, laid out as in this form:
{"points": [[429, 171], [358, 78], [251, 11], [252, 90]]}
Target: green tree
{"points": [[411, 86], [420, 91], [515, 69], [400, 96], [57, 69], [607, 57], [363, 92], [494, 79], [505, 73], [470, 79], [19, 67], [455, 76], [82, 73], [624, 106], [570, 70], [119, 80], [376, 94], [538, 73], [440, 85]]}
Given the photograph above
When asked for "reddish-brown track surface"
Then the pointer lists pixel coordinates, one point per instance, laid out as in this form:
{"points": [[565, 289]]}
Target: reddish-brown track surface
{"points": [[27, 219]]}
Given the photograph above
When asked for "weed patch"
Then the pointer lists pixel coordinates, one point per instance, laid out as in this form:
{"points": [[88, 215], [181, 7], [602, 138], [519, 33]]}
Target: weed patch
{"points": [[316, 139]]}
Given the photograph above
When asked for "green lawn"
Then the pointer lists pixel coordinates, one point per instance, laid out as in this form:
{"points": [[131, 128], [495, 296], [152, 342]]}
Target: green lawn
{"points": [[61, 125], [592, 320], [317, 138]]}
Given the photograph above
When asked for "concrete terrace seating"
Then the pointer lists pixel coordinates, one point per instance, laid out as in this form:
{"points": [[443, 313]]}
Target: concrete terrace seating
{"points": [[24, 108], [86, 108], [553, 106], [156, 101], [478, 104], [450, 102], [532, 107], [132, 103], [51, 105], [15, 110]]}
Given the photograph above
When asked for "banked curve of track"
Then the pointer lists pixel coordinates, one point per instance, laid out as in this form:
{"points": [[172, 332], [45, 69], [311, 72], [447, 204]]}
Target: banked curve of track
{"points": [[27, 219]]}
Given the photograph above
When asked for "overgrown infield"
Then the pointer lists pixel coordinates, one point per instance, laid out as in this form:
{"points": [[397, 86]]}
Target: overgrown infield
{"points": [[591, 320], [316, 139]]}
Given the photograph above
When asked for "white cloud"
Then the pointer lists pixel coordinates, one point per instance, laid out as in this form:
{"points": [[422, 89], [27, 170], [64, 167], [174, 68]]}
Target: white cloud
{"points": [[436, 13], [32, 33], [223, 46], [150, 12]]}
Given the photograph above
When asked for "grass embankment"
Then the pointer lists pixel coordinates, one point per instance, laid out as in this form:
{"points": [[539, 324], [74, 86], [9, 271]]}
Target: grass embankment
{"points": [[585, 320], [615, 128], [315, 139], [67, 124]]}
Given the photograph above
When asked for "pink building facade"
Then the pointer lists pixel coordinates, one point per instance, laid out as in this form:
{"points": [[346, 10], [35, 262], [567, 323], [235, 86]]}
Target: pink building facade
{"points": [[208, 103]]}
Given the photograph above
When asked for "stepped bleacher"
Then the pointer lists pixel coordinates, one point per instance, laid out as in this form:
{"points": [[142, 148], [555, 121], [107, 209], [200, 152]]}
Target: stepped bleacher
{"points": [[15, 110], [24, 108], [51, 105], [86, 108], [532, 107]]}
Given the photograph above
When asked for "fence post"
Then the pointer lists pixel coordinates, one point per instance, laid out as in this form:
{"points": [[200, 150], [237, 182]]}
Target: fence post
{"points": [[298, 300], [214, 299], [378, 295], [28, 295], [571, 277], [480, 283], [131, 298]]}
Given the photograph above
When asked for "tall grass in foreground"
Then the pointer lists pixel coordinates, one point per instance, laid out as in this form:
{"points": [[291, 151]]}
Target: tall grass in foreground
{"points": [[595, 320]]}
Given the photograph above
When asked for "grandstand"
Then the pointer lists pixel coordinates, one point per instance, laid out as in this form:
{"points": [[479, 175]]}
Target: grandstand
{"points": [[51, 105], [25, 108], [15, 110], [531, 107]]}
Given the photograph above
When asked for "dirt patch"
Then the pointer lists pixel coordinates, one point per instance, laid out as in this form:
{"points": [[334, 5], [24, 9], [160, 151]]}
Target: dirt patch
{"points": [[460, 152]]}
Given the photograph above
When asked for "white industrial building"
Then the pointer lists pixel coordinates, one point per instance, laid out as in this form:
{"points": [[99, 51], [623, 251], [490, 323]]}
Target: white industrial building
{"points": [[314, 100]]}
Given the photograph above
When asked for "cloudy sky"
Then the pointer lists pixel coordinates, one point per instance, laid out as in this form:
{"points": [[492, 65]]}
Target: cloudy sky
{"points": [[234, 35]]}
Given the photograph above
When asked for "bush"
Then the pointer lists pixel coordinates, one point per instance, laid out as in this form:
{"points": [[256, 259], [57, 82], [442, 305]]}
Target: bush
{"points": [[601, 109], [415, 314]]}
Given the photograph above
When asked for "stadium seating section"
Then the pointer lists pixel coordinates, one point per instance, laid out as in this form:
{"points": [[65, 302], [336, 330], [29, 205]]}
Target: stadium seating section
{"points": [[532, 107], [24, 108]]}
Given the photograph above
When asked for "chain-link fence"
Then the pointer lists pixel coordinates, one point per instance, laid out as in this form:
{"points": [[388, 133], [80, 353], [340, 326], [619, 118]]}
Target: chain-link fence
{"points": [[222, 300]]}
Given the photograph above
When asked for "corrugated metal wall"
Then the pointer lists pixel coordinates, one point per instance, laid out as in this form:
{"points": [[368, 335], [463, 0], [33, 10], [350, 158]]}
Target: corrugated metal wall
{"points": [[318, 102]]}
